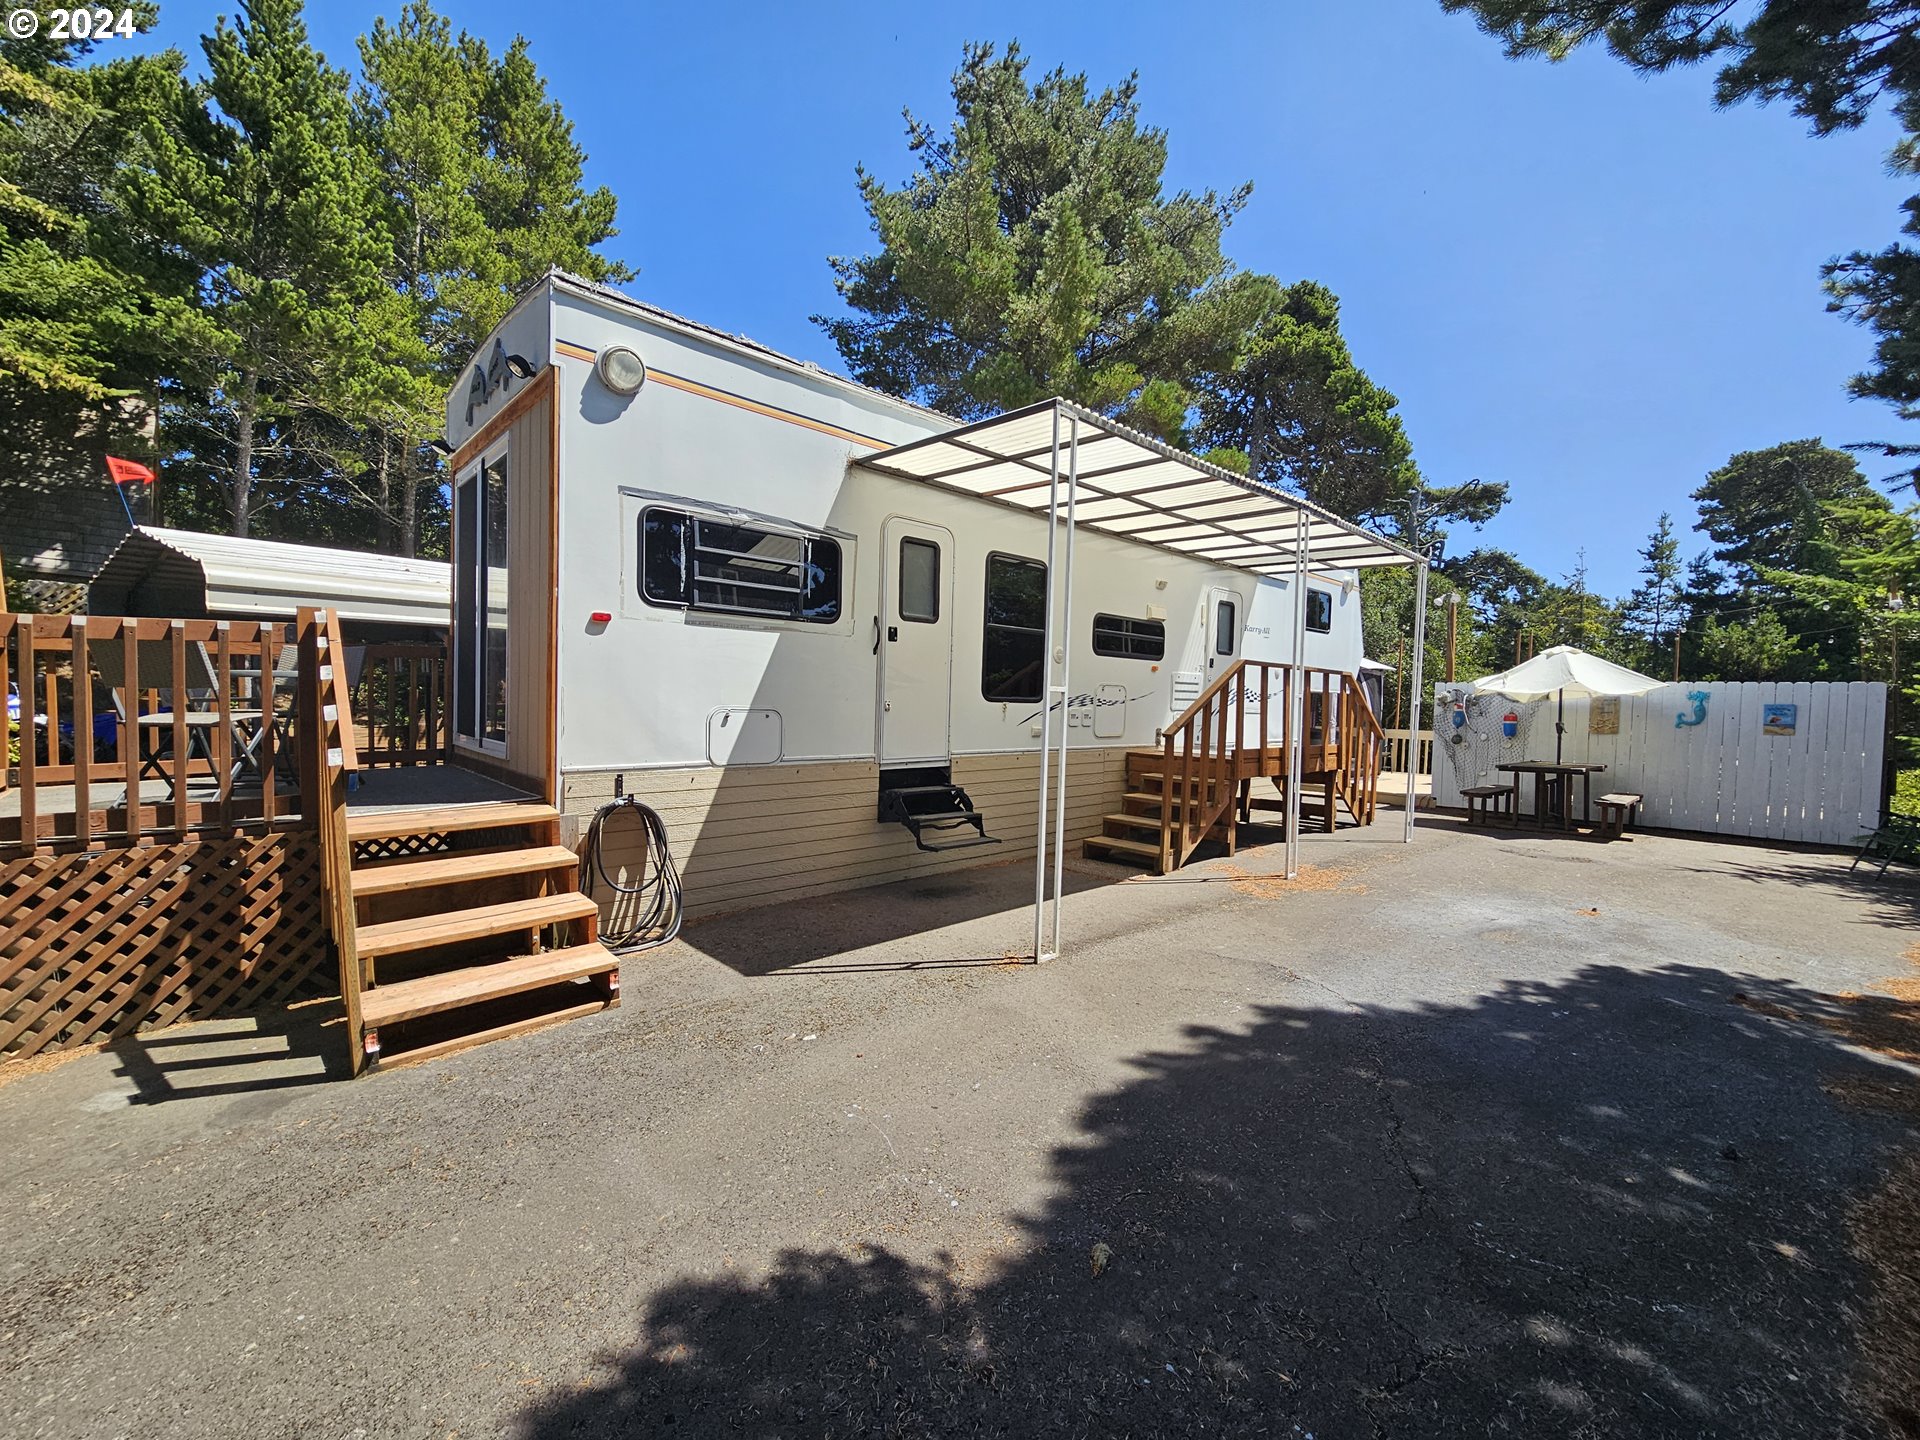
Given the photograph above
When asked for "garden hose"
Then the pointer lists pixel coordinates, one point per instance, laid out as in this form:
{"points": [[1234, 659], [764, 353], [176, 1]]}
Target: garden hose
{"points": [[647, 913]]}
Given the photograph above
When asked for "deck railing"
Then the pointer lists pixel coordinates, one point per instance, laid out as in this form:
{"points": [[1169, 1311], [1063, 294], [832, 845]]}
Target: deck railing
{"points": [[134, 729], [1398, 742], [1209, 750], [400, 704]]}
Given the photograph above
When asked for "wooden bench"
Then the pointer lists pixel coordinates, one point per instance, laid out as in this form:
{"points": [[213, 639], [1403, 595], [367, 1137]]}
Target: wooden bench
{"points": [[1617, 811], [1484, 802]]}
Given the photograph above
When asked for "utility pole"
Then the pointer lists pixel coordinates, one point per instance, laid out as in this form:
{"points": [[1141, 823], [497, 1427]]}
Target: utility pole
{"points": [[1676, 654]]}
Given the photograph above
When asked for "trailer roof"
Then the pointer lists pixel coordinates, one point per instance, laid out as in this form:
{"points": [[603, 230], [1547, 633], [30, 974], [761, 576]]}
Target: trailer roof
{"points": [[185, 572], [1131, 485]]}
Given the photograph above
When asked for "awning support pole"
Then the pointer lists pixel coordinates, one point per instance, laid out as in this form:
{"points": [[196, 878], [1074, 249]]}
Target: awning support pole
{"points": [[1066, 679], [1297, 696], [1047, 691], [1419, 659]]}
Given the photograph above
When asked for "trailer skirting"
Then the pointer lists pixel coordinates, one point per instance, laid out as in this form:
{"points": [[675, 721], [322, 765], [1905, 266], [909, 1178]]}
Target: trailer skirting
{"points": [[756, 834]]}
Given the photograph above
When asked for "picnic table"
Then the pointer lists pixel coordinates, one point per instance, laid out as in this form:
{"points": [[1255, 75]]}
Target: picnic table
{"points": [[1556, 776]]}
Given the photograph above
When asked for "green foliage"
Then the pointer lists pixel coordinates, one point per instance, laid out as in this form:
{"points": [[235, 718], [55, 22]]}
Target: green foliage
{"points": [[1305, 416], [1034, 254], [1832, 60], [1657, 606], [478, 186], [293, 268]]}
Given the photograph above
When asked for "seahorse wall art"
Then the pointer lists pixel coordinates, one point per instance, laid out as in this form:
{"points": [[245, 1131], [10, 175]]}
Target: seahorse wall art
{"points": [[1699, 699]]}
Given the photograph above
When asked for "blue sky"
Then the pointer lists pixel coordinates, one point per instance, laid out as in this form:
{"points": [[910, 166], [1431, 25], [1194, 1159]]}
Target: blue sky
{"points": [[1588, 284]]}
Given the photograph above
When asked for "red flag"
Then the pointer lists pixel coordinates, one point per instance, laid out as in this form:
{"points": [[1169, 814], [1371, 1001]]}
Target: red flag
{"points": [[129, 472]]}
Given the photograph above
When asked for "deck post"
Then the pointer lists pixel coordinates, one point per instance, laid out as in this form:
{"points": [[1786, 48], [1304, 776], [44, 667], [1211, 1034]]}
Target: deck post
{"points": [[1297, 695], [1040, 955], [1419, 655]]}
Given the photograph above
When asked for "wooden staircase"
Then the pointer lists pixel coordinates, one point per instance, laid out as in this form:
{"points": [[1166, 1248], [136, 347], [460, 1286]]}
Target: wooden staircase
{"points": [[452, 925], [1199, 785]]}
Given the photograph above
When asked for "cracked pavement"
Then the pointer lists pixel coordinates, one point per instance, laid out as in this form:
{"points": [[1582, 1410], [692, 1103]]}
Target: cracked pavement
{"points": [[1421, 1147]]}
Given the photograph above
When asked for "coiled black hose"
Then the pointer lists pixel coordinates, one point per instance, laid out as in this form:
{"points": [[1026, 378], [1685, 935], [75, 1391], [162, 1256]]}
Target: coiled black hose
{"points": [[647, 913]]}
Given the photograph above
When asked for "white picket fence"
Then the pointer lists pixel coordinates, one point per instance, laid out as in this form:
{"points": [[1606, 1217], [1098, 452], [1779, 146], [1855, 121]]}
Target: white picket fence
{"points": [[1724, 775]]}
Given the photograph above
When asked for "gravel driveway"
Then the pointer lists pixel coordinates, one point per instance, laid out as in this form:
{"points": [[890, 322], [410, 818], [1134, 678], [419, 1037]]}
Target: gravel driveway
{"points": [[1495, 1134]]}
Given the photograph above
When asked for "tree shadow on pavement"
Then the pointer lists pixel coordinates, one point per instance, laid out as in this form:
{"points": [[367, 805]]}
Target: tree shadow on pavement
{"points": [[1612, 1206]]}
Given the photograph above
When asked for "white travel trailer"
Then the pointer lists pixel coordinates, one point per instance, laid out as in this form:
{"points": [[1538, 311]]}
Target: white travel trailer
{"points": [[816, 627]]}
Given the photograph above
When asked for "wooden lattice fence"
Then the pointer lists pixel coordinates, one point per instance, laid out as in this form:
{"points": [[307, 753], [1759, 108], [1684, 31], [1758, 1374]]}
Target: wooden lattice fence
{"points": [[97, 944]]}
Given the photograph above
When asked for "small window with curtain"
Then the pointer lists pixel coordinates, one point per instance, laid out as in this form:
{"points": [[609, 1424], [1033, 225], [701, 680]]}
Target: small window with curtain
{"points": [[919, 581], [695, 563], [1123, 637], [1013, 664], [1320, 610], [1225, 631]]}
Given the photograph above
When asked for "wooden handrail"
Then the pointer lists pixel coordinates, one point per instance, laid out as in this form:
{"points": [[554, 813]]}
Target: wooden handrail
{"points": [[328, 756], [1204, 748]]}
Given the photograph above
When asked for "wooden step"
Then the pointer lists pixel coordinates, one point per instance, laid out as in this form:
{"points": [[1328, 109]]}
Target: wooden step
{"points": [[1129, 849], [453, 869], [1152, 797], [392, 937], [444, 820], [409, 999], [1149, 823]]}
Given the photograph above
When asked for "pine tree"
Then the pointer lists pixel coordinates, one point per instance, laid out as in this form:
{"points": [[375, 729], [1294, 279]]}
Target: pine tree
{"points": [[480, 194], [259, 184], [1654, 610]]}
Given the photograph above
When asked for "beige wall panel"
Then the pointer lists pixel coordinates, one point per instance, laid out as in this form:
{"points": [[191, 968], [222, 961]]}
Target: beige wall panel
{"points": [[753, 835]]}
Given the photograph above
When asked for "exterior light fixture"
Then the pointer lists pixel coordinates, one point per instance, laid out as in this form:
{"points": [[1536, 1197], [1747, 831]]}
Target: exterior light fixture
{"points": [[621, 370], [520, 367], [440, 445]]}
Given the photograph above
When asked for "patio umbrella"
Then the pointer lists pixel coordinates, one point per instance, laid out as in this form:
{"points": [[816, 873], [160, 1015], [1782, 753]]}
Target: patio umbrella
{"points": [[1557, 670]]}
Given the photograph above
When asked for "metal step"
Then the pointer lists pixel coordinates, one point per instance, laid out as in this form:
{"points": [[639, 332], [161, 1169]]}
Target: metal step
{"points": [[936, 810]]}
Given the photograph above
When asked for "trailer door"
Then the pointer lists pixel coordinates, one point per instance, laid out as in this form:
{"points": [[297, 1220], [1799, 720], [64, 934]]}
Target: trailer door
{"points": [[914, 640]]}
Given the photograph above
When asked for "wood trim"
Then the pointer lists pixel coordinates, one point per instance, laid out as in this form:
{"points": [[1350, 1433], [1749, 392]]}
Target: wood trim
{"points": [[550, 779], [772, 412], [545, 385]]}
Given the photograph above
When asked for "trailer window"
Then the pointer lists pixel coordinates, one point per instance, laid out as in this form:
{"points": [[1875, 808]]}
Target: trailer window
{"points": [[1130, 639], [1013, 663], [695, 563], [919, 581], [1320, 610], [1225, 631]]}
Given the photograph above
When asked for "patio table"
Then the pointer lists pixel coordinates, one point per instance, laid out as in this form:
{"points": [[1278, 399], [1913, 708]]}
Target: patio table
{"points": [[1563, 773]]}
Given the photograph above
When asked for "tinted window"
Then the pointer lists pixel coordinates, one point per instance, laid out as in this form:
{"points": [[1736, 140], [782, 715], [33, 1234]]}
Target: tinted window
{"points": [[1128, 638], [734, 569], [919, 581], [1320, 610], [663, 557], [1013, 651], [1224, 631]]}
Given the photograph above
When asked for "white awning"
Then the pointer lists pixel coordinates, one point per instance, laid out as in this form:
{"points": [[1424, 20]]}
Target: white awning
{"points": [[190, 574], [1131, 485]]}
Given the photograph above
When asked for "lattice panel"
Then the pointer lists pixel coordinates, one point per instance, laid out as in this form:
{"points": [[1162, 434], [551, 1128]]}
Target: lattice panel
{"points": [[45, 597], [97, 945], [399, 847]]}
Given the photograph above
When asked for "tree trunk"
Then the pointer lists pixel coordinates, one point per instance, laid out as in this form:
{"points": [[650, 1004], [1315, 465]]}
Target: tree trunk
{"points": [[246, 409], [383, 488], [409, 504]]}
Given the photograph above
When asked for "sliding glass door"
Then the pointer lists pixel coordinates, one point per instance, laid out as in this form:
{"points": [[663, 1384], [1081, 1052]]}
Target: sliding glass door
{"points": [[479, 656]]}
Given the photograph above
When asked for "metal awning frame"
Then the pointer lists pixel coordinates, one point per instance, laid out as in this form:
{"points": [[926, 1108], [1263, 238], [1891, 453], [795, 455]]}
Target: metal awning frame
{"points": [[1228, 520]]}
